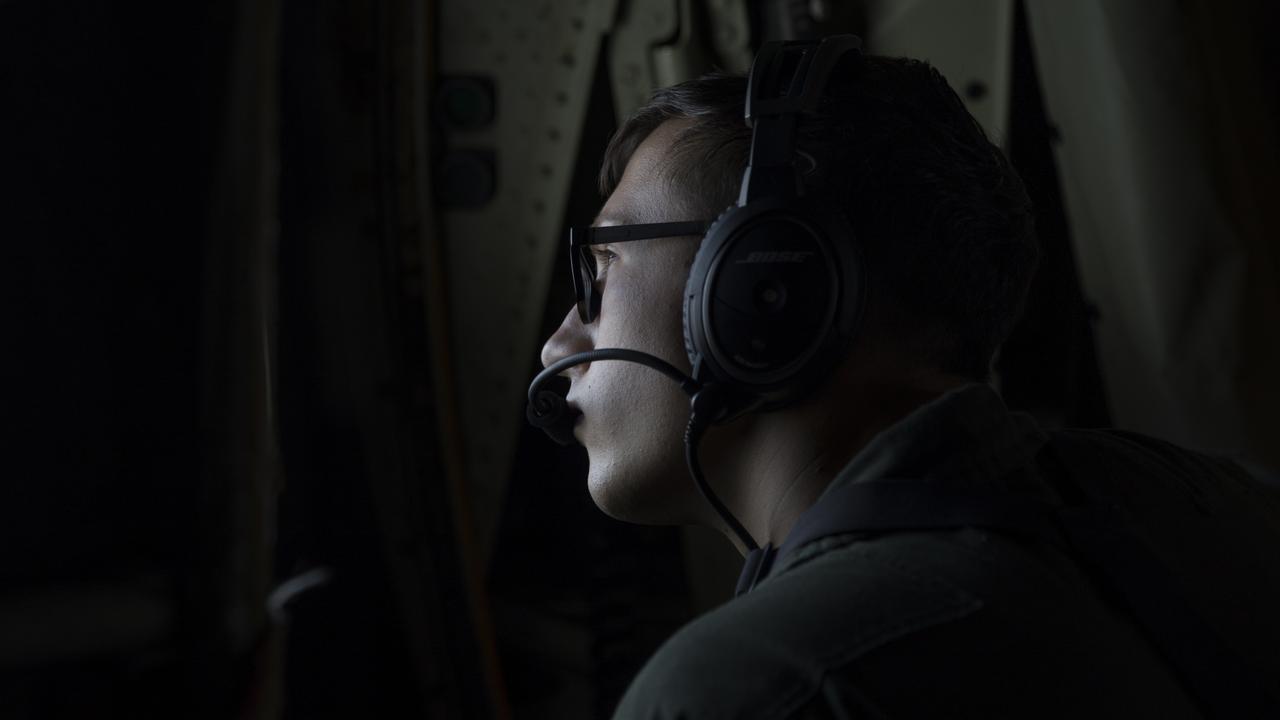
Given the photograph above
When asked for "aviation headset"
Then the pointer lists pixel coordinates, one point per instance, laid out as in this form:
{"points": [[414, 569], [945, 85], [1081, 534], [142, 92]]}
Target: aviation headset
{"points": [[776, 290]]}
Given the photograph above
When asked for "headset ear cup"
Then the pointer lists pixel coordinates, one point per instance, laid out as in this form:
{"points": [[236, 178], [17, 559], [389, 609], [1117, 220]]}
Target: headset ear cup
{"points": [[740, 234]]}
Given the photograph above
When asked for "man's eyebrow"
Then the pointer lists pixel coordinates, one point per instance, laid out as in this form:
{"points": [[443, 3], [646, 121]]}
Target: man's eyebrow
{"points": [[613, 218]]}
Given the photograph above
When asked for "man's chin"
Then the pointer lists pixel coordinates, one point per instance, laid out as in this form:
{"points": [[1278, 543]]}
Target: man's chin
{"points": [[654, 499]]}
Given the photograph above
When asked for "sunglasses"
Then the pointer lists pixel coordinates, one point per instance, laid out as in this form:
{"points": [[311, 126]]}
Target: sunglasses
{"points": [[582, 262]]}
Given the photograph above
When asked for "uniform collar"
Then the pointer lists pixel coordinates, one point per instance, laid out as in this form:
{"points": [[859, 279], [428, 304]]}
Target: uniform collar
{"points": [[965, 438]]}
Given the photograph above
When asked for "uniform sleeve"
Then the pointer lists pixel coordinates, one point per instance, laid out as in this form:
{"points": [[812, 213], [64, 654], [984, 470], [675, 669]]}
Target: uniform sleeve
{"points": [[839, 701], [645, 700]]}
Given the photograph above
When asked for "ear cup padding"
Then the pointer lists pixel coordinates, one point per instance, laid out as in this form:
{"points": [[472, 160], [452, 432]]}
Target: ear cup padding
{"points": [[697, 278]]}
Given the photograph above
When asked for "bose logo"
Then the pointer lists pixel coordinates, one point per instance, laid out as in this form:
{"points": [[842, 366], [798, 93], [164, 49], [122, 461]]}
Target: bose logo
{"points": [[766, 256]]}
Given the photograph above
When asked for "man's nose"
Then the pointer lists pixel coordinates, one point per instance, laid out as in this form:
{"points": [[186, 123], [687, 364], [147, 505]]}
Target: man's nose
{"points": [[571, 337]]}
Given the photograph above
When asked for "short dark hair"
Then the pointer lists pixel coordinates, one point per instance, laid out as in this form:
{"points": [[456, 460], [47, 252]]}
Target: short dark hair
{"points": [[945, 225]]}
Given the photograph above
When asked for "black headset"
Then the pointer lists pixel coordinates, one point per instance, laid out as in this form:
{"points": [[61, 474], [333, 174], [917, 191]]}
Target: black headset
{"points": [[777, 288]]}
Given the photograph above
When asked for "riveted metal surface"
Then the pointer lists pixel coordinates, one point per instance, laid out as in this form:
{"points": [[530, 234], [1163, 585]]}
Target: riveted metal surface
{"points": [[642, 24], [971, 43], [657, 43], [731, 34], [541, 57]]}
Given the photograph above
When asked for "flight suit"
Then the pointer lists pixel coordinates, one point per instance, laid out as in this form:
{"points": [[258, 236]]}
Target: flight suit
{"points": [[976, 622]]}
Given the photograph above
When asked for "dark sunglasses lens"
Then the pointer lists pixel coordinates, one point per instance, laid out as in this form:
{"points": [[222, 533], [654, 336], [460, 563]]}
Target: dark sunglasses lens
{"points": [[584, 283]]}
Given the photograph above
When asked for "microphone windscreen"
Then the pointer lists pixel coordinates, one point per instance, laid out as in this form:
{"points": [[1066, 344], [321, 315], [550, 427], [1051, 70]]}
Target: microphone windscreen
{"points": [[550, 412]]}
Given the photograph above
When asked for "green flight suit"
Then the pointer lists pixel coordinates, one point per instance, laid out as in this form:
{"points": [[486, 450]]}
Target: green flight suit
{"points": [[969, 622]]}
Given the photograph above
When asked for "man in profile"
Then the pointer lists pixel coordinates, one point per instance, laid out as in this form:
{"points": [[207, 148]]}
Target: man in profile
{"points": [[960, 620]]}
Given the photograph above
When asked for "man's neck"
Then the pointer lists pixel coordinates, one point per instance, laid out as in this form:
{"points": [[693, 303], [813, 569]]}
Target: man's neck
{"points": [[770, 468]]}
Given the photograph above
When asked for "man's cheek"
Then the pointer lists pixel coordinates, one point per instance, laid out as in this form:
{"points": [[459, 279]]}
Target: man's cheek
{"points": [[656, 304], [629, 321]]}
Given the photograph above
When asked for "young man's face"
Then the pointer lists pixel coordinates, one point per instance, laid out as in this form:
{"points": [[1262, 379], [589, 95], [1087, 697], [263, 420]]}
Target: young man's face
{"points": [[633, 417]]}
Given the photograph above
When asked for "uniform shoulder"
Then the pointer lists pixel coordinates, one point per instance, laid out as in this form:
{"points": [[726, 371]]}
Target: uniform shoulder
{"points": [[1134, 464], [766, 654]]}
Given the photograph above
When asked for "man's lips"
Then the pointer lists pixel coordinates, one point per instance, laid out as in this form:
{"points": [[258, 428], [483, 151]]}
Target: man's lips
{"points": [[576, 413]]}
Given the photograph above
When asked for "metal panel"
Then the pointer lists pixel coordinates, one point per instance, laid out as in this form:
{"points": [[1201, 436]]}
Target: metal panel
{"points": [[970, 42], [642, 24], [1169, 215], [657, 43], [541, 57]]}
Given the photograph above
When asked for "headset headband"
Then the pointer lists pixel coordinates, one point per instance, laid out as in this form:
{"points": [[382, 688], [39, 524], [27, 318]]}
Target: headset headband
{"points": [[787, 78]]}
